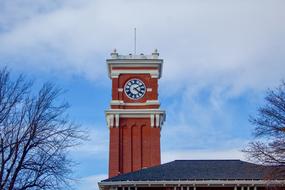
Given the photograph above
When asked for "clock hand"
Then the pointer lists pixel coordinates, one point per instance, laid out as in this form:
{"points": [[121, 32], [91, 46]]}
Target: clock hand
{"points": [[136, 90]]}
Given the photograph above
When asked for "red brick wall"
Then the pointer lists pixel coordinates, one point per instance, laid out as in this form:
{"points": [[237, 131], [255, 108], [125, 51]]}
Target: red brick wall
{"points": [[114, 152], [134, 145]]}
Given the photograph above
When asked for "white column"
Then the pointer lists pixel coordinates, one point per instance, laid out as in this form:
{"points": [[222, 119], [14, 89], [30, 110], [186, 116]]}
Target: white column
{"points": [[117, 120], [152, 120], [111, 120], [157, 119], [108, 121]]}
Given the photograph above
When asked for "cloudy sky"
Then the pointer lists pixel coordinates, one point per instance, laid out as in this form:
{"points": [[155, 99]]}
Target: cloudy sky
{"points": [[219, 59]]}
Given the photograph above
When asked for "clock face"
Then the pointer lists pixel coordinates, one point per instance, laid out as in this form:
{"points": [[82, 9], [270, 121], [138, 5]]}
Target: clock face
{"points": [[135, 89]]}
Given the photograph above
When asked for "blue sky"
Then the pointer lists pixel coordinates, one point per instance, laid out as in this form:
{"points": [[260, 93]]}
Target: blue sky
{"points": [[219, 59]]}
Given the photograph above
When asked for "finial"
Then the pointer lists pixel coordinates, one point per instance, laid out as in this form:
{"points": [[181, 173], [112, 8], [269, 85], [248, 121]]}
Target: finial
{"points": [[114, 54], [155, 54]]}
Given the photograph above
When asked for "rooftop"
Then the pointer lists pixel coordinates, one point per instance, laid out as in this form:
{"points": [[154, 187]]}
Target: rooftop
{"points": [[115, 55], [180, 170]]}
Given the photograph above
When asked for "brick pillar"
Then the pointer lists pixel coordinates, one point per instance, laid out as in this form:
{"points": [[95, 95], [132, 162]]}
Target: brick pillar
{"points": [[114, 153], [137, 147]]}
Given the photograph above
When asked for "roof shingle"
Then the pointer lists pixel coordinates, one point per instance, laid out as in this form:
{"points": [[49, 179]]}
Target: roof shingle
{"points": [[197, 170]]}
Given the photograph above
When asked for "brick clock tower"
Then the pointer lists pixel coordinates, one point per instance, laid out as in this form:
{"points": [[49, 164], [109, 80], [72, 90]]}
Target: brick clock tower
{"points": [[134, 118]]}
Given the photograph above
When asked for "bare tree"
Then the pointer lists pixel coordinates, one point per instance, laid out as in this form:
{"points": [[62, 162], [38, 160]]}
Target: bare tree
{"points": [[35, 135], [270, 129]]}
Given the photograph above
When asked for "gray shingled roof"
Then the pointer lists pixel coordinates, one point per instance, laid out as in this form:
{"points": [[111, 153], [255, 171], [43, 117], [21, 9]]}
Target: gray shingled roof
{"points": [[197, 170]]}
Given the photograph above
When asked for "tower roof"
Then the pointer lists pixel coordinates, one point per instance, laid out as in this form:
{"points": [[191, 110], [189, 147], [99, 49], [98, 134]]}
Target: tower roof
{"points": [[180, 170], [122, 64]]}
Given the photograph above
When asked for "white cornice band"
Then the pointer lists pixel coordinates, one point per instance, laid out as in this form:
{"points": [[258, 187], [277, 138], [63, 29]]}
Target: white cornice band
{"points": [[134, 111], [133, 64], [194, 183], [116, 73], [157, 116], [122, 103]]}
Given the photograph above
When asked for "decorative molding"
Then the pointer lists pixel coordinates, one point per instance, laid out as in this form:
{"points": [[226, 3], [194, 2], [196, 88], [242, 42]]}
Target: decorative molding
{"points": [[152, 120], [117, 120], [152, 101], [111, 120], [117, 56], [122, 103], [157, 120], [156, 116], [134, 111], [108, 120], [194, 183], [116, 73], [134, 116], [133, 63]]}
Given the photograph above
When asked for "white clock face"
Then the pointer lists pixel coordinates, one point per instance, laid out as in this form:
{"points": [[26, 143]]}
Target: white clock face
{"points": [[135, 89]]}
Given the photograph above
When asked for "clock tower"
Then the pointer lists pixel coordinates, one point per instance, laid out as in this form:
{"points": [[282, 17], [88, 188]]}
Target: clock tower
{"points": [[134, 118]]}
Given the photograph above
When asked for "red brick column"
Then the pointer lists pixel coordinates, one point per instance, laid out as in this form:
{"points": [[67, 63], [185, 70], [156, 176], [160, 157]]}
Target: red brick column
{"points": [[114, 156]]}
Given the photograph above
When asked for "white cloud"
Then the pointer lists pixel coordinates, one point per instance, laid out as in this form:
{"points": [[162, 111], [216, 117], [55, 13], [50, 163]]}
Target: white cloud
{"points": [[90, 182], [239, 44], [202, 155], [97, 144]]}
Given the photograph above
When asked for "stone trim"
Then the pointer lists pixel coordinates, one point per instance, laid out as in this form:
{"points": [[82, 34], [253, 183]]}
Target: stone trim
{"points": [[157, 117], [195, 183]]}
